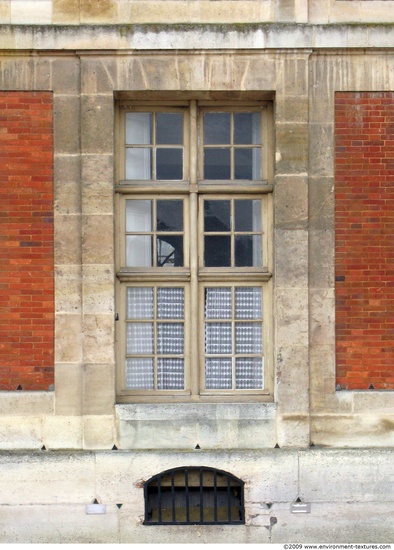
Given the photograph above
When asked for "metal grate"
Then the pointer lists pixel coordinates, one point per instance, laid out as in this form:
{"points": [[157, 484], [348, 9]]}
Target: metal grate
{"points": [[194, 496]]}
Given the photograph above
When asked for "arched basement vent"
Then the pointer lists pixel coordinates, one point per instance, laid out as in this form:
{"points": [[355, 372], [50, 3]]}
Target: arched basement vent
{"points": [[194, 496]]}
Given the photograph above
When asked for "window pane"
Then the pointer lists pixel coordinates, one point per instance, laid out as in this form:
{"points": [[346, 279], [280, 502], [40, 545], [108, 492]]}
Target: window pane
{"points": [[170, 339], [138, 164], [248, 251], [217, 251], [139, 338], [170, 303], [169, 215], [140, 303], [139, 128], [138, 215], [169, 251], [217, 215], [139, 374], [248, 338], [218, 373], [169, 164], [170, 374], [247, 128], [217, 128], [138, 251], [247, 214], [247, 164], [249, 373], [218, 303], [248, 304], [169, 128], [218, 338], [217, 164]]}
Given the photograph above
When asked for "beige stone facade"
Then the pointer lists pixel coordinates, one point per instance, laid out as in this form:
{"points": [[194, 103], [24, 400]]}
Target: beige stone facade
{"points": [[335, 447]]}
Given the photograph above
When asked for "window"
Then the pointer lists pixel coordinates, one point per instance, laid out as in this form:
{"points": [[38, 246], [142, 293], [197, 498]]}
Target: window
{"points": [[187, 496], [193, 251]]}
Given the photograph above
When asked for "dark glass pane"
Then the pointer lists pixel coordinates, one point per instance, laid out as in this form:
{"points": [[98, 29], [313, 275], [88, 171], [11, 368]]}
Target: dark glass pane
{"points": [[217, 216], [169, 164], [169, 215], [243, 164], [169, 128], [217, 251], [169, 251], [248, 251], [217, 128], [247, 128], [217, 164], [247, 214]]}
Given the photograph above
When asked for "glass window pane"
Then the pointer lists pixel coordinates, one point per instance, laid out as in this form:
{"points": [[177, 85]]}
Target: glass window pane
{"points": [[218, 338], [247, 164], [218, 373], [249, 373], [218, 303], [170, 303], [248, 338], [139, 338], [217, 252], [248, 251], [170, 374], [217, 164], [247, 214], [138, 215], [217, 215], [169, 215], [139, 128], [248, 302], [170, 338], [139, 374], [169, 251], [217, 128], [247, 129], [139, 303], [169, 164], [138, 251], [169, 128], [138, 164]]}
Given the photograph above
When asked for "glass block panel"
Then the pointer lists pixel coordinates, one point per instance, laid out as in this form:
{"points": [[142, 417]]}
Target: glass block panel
{"points": [[139, 338], [169, 251], [217, 215], [139, 374], [217, 251], [218, 303], [247, 215], [247, 164], [138, 215], [139, 303], [216, 128], [169, 215], [248, 338], [138, 128], [217, 164], [138, 164], [248, 251], [169, 164], [170, 303], [247, 128], [248, 302], [170, 338], [249, 373], [218, 373], [139, 251], [170, 374], [169, 128], [218, 338]]}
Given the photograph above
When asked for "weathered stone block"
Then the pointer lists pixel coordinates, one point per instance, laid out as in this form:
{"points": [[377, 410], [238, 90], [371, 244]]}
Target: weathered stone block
{"points": [[322, 317], [63, 432], [68, 389], [98, 338], [293, 430], [68, 338], [20, 432], [68, 284], [98, 75], [66, 122], [321, 152], [291, 202], [291, 258], [65, 75], [98, 432], [97, 124], [98, 240], [321, 203], [98, 390], [292, 317], [291, 149], [15, 403], [321, 258], [98, 288]]}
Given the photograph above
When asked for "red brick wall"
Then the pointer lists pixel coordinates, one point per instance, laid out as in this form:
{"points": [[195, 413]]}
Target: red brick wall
{"points": [[26, 241], [364, 239]]}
